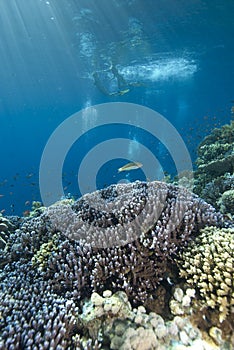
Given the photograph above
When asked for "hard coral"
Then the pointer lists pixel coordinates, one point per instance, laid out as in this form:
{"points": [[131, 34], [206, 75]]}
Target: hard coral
{"points": [[227, 202], [120, 238], [124, 257], [32, 316], [208, 264], [7, 227], [215, 166], [128, 328]]}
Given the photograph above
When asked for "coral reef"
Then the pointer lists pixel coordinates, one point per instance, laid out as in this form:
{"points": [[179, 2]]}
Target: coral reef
{"points": [[181, 302], [4, 231], [7, 227], [122, 238], [208, 264], [214, 178], [25, 238], [32, 317], [112, 322], [40, 258], [137, 266], [185, 303], [226, 202], [37, 209]]}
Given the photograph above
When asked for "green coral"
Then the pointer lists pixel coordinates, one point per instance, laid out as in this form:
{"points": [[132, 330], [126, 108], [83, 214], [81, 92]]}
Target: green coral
{"points": [[37, 207], [207, 263], [41, 257], [213, 152], [223, 135], [227, 202], [215, 166]]}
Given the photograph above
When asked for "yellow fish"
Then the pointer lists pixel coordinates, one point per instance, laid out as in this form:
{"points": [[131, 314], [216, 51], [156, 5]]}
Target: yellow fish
{"points": [[130, 166]]}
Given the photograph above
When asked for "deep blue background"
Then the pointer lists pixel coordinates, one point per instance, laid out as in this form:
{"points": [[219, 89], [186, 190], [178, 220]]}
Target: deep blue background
{"points": [[180, 51]]}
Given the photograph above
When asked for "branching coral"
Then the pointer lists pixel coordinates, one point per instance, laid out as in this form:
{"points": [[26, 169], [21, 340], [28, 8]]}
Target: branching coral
{"points": [[32, 317], [137, 266], [7, 227], [120, 238], [41, 257], [215, 167], [208, 264]]}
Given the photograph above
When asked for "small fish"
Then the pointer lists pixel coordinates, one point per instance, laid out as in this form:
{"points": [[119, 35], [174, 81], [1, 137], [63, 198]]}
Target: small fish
{"points": [[26, 213], [130, 166], [28, 176]]}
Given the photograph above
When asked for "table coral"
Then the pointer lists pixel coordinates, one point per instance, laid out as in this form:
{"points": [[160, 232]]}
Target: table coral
{"points": [[137, 266], [125, 244]]}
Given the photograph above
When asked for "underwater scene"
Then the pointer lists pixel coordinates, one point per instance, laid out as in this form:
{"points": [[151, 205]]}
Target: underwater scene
{"points": [[117, 174]]}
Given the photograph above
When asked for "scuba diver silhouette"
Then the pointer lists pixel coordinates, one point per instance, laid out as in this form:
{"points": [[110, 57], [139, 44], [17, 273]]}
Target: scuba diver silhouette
{"points": [[122, 86]]}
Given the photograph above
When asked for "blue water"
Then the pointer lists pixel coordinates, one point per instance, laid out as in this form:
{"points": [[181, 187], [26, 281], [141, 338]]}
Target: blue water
{"points": [[179, 55]]}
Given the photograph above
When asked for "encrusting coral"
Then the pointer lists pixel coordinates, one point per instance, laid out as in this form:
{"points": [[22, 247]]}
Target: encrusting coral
{"points": [[120, 239], [208, 264]]}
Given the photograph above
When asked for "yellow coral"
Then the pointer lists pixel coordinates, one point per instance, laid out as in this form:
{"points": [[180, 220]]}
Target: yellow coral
{"points": [[42, 255], [213, 276]]}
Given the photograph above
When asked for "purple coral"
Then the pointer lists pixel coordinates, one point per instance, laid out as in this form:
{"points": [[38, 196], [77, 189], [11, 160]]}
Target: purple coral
{"points": [[32, 317], [147, 224]]}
